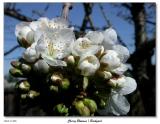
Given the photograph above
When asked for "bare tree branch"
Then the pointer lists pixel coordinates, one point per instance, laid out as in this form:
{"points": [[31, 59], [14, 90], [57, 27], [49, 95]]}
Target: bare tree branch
{"points": [[104, 15], [65, 10], [15, 14], [87, 17], [11, 50]]}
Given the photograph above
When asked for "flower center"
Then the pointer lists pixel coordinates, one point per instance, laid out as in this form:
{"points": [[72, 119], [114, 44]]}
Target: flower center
{"points": [[51, 49], [84, 45]]}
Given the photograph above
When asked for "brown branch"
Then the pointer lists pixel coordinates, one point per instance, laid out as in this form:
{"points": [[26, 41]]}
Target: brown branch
{"points": [[104, 15], [65, 10], [11, 50], [15, 14], [87, 17]]}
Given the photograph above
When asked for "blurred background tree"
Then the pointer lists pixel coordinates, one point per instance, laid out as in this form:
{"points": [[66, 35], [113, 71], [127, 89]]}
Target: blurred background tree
{"points": [[137, 31]]}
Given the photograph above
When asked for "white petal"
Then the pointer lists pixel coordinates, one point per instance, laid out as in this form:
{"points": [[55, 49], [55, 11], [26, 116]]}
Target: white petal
{"points": [[84, 45], [30, 55], [122, 51], [60, 22], [119, 104], [54, 62], [23, 32], [111, 59], [120, 70], [129, 86], [95, 36], [88, 64], [20, 26], [110, 38]]}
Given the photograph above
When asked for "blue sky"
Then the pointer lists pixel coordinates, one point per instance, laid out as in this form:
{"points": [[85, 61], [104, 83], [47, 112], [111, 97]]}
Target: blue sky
{"points": [[124, 29]]}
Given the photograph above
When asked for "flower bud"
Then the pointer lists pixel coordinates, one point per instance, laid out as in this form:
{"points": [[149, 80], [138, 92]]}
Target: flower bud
{"points": [[16, 72], [70, 60], [56, 78], [91, 104], [32, 94], [60, 109], [26, 68], [102, 104], [100, 52], [65, 84], [81, 108], [41, 67], [25, 35], [105, 74], [16, 64], [24, 85], [117, 82], [23, 96], [54, 88]]}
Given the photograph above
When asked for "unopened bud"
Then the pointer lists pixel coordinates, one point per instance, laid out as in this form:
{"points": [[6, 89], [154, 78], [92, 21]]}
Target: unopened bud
{"points": [[65, 84], [60, 109], [105, 74], [56, 78], [91, 104], [70, 60], [32, 94], [16, 72], [54, 88], [24, 85], [102, 104], [23, 96], [116, 82], [26, 68], [16, 64], [41, 67], [100, 52], [81, 108]]}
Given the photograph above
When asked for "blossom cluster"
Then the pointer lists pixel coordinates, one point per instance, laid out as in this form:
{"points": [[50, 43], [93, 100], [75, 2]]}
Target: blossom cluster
{"points": [[90, 68]]}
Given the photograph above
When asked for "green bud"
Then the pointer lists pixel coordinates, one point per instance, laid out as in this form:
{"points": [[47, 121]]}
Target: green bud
{"points": [[91, 104], [65, 84], [102, 104], [23, 96], [81, 108], [16, 72], [61, 109], [54, 88], [24, 85], [16, 64], [26, 68], [32, 94]]}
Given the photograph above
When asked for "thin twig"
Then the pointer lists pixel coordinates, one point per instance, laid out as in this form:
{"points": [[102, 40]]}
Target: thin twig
{"points": [[104, 15], [11, 50], [15, 14]]}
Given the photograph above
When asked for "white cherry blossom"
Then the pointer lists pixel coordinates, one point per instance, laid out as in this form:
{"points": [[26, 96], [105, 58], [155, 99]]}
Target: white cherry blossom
{"points": [[30, 54], [84, 45], [88, 64], [110, 38], [117, 104], [111, 60], [123, 52], [54, 45], [95, 36]]}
